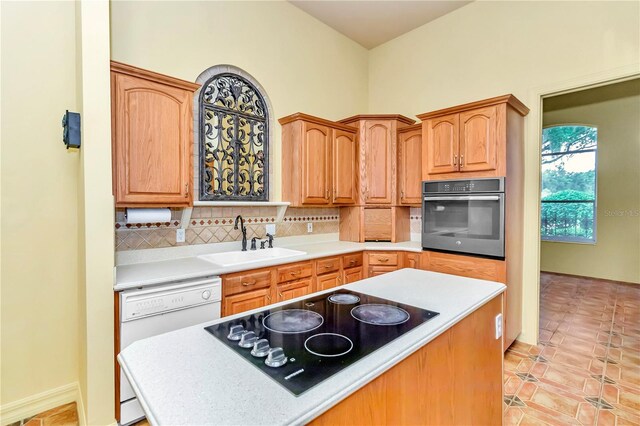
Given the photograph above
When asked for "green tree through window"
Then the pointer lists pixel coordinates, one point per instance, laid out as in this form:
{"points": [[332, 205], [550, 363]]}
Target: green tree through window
{"points": [[569, 183]]}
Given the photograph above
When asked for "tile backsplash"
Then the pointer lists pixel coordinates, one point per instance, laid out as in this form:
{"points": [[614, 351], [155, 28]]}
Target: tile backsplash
{"points": [[215, 225]]}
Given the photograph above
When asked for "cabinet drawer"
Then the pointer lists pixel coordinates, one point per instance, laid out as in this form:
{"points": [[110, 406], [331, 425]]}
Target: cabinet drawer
{"points": [[327, 265], [352, 260], [383, 258], [293, 272], [465, 266], [245, 281], [379, 270]]}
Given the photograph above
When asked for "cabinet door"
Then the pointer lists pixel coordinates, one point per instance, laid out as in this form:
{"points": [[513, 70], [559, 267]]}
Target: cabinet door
{"points": [[327, 281], [246, 301], [478, 129], [316, 164], [409, 166], [411, 260], [374, 271], [152, 141], [377, 153], [293, 289], [345, 167], [352, 275], [441, 154]]}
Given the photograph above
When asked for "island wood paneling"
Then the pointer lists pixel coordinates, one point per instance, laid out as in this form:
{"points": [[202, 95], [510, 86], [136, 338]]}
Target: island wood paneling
{"points": [[456, 379]]}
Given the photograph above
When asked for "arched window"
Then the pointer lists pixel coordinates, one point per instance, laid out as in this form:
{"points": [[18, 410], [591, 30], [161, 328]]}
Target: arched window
{"points": [[233, 142], [569, 159]]}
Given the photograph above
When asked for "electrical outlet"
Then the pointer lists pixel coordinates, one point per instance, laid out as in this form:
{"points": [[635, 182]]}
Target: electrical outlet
{"points": [[310, 227], [180, 235], [271, 228], [498, 326]]}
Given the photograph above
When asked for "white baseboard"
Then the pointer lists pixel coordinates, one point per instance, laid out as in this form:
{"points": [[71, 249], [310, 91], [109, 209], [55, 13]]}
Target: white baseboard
{"points": [[34, 404]]}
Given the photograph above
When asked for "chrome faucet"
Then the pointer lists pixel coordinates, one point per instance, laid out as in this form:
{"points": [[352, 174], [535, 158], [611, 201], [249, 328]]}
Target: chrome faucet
{"points": [[244, 231]]}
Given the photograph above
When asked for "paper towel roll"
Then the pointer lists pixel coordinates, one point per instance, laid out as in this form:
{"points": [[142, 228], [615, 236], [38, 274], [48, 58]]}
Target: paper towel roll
{"points": [[147, 215]]}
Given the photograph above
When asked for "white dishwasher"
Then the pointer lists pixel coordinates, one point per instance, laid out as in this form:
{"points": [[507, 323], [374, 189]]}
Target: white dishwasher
{"points": [[146, 312]]}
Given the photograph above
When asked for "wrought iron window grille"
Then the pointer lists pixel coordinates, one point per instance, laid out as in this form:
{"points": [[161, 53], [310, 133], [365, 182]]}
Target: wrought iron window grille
{"points": [[234, 140]]}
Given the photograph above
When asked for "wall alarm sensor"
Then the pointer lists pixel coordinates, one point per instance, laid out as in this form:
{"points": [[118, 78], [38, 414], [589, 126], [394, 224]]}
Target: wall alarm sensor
{"points": [[71, 129]]}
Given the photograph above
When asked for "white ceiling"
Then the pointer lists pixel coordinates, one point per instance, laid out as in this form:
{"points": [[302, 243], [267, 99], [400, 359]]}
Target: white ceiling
{"points": [[372, 23]]}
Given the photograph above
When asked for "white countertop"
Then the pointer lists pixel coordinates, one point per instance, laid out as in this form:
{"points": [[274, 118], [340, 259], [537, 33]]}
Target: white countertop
{"points": [[188, 377], [158, 272]]}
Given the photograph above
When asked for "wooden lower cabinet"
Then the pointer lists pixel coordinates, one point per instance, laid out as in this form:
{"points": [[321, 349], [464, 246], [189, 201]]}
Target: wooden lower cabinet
{"points": [[455, 379], [293, 289], [410, 260], [374, 271], [241, 302], [352, 275], [465, 266], [381, 262], [327, 281]]}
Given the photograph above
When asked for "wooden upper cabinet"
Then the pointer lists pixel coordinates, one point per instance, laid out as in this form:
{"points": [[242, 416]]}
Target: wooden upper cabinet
{"points": [[152, 138], [345, 167], [442, 141], [316, 164], [377, 153], [319, 161], [470, 139], [409, 165], [478, 129]]}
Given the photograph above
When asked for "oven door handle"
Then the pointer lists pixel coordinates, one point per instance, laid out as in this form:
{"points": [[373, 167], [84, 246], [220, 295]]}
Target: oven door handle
{"points": [[465, 198]]}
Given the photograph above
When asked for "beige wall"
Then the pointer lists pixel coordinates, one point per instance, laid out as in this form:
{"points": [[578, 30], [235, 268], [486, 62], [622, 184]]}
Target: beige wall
{"points": [[487, 49], [96, 215], [615, 110], [39, 200], [302, 64]]}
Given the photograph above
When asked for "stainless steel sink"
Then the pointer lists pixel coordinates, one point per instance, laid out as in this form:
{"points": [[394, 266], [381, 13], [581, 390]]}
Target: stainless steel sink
{"points": [[234, 258]]}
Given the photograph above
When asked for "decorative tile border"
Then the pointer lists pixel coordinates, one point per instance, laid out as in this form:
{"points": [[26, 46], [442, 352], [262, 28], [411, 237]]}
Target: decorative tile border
{"points": [[216, 224]]}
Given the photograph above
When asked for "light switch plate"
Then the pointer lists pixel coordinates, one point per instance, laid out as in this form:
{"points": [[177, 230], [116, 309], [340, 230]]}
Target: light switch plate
{"points": [[310, 227], [498, 326], [180, 235], [271, 228]]}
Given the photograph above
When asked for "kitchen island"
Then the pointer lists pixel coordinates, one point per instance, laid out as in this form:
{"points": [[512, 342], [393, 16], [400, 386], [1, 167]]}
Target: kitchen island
{"points": [[447, 370]]}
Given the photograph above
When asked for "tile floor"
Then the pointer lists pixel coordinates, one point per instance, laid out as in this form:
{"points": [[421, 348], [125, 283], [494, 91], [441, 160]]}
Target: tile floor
{"points": [[586, 368], [64, 415]]}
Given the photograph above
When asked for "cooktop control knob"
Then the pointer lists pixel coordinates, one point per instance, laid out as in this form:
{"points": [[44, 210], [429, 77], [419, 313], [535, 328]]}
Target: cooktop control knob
{"points": [[276, 358], [247, 339], [235, 332], [260, 348]]}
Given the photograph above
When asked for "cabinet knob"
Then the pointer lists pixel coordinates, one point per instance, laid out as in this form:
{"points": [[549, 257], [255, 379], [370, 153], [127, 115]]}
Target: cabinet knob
{"points": [[455, 160], [247, 284], [383, 259], [186, 190], [461, 160]]}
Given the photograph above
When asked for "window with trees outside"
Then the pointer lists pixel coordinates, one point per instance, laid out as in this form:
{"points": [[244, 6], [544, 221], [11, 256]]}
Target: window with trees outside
{"points": [[569, 158]]}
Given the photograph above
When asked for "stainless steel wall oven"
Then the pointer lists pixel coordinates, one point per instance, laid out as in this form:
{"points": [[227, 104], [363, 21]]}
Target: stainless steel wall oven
{"points": [[464, 216]]}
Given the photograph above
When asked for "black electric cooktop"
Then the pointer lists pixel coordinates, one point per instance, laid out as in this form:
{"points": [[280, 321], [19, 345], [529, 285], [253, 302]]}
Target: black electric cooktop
{"points": [[303, 343]]}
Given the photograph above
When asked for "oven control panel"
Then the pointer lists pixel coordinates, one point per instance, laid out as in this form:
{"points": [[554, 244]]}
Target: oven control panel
{"points": [[463, 186]]}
